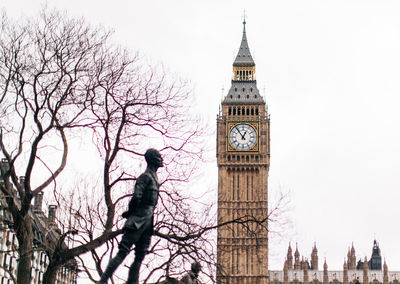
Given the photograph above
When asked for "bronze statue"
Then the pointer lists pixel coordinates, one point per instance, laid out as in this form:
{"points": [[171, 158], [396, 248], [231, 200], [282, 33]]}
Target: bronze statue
{"points": [[191, 276], [138, 227]]}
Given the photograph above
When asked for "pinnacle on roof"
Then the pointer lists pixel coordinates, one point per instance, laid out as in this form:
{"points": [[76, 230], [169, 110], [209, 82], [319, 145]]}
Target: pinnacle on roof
{"points": [[314, 249], [296, 253], [244, 58], [352, 248]]}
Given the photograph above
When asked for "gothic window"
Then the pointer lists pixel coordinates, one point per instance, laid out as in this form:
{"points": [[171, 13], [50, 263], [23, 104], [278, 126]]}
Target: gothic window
{"points": [[247, 260], [252, 111], [234, 111], [251, 188], [233, 261], [229, 111], [257, 111], [237, 260], [238, 189], [251, 261], [247, 110], [247, 188], [233, 187]]}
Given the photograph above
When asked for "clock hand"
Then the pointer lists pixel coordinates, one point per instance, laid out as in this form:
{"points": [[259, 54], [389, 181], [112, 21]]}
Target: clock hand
{"points": [[244, 135], [239, 131]]}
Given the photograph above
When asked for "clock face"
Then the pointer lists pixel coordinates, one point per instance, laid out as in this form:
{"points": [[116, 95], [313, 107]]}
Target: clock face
{"points": [[243, 137]]}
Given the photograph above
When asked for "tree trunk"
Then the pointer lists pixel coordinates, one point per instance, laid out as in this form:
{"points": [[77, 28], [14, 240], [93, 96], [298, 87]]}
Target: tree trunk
{"points": [[25, 244], [50, 275]]}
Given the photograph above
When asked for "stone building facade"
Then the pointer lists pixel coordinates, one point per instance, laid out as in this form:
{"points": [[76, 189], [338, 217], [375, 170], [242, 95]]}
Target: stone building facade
{"points": [[243, 164], [43, 227], [298, 270]]}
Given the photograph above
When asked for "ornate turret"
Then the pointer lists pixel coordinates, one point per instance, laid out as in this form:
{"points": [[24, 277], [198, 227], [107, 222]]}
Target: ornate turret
{"points": [[289, 258], [352, 258], [314, 258], [385, 273], [305, 272], [375, 262], [325, 279], [345, 273], [365, 271], [348, 258], [244, 86], [297, 259], [285, 273], [244, 58]]}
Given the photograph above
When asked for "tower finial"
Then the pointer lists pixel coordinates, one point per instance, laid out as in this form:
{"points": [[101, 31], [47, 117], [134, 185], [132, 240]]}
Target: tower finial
{"points": [[244, 17]]}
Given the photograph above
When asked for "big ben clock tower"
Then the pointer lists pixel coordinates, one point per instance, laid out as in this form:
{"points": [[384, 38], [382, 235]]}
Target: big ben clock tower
{"points": [[243, 151]]}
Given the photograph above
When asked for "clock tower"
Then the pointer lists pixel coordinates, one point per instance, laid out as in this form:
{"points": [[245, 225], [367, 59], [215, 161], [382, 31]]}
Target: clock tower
{"points": [[243, 155]]}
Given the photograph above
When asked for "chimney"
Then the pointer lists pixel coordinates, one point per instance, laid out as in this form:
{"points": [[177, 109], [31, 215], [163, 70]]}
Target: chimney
{"points": [[6, 166], [52, 214], [37, 206], [22, 180]]}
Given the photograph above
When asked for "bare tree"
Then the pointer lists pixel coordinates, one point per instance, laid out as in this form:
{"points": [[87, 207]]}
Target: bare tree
{"points": [[61, 78]]}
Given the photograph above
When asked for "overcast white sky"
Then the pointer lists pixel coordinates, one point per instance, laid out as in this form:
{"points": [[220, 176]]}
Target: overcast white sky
{"points": [[331, 74]]}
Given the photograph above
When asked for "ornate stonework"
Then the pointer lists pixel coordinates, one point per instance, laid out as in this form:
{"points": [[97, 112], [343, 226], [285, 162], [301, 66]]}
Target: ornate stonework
{"points": [[364, 271], [243, 156]]}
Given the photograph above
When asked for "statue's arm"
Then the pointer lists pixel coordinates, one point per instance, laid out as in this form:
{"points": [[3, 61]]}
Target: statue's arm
{"points": [[185, 279], [140, 186]]}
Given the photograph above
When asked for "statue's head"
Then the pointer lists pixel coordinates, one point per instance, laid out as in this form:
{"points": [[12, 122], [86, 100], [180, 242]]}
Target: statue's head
{"points": [[196, 267], [153, 157]]}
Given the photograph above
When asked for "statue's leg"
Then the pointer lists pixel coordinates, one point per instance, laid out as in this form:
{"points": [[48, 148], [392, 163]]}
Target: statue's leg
{"points": [[128, 239], [140, 251]]}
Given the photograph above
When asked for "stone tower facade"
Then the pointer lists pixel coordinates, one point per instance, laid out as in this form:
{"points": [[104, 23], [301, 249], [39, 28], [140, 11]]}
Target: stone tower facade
{"points": [[243, 157]]}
